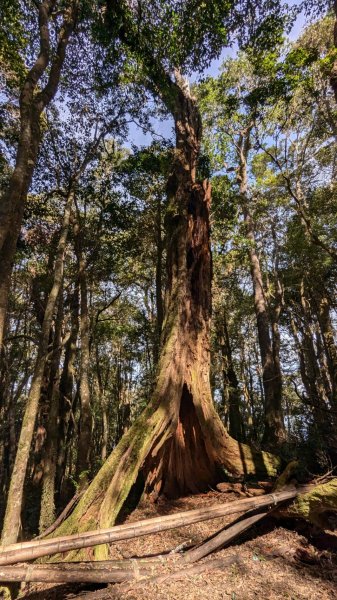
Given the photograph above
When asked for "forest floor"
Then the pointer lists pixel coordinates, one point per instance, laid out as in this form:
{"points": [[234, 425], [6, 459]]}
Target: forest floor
{"points": [[274, 560]]}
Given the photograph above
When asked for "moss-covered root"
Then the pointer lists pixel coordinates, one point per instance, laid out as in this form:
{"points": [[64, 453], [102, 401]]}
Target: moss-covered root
{"points": [[241, 459], [318, 506]]}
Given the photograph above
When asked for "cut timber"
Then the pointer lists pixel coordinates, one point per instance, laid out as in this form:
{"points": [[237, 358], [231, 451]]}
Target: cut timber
{"points": [[27, 551]]}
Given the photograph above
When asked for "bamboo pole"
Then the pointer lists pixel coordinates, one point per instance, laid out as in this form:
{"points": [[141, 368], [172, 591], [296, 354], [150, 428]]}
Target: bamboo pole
{"points": [[72, 573], [27, 551]]}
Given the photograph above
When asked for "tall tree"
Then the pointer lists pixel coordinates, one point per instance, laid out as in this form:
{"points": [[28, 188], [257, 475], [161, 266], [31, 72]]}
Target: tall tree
{"points": [[33, 102], [179, 441]]}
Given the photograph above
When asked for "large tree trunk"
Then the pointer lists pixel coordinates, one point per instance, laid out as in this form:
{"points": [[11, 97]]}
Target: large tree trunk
{"points": [[178, 443], [159, 277], [274, 431]]}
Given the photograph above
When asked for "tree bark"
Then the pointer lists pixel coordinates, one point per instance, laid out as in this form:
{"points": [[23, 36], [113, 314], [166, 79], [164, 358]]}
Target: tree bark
{"points": [[159, 278], [12, 519], [85, 425], [48, 509]]}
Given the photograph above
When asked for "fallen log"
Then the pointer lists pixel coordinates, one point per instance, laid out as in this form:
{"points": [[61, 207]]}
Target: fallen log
{"points": [[72, 573], [186, 571], [233, 530], [27, 551], [224, 537], [318, 506]]}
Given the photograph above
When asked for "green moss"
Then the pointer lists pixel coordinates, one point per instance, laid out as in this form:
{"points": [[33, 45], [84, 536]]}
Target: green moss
{"points": [[313, 505], [103, 500]]}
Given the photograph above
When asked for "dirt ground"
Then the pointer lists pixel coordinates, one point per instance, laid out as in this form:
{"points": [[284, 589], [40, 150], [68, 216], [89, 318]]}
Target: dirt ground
{"points": [[274, 561]]}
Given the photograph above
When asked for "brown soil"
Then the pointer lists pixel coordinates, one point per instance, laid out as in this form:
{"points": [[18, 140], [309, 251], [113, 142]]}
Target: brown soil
{"points": [[274, 562]]}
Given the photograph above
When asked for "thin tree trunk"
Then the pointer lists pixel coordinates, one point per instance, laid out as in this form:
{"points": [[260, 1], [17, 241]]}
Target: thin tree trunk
{"points": [[274, 431], [103, 402], [231, 386], [328, 335], [12, 519], [66, 399], [32, 104], [310, 377], [85, 425], [48, 510]]}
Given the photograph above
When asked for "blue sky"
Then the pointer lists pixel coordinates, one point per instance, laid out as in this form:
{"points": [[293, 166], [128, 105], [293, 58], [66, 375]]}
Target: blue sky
{"points": [[164, 128]]}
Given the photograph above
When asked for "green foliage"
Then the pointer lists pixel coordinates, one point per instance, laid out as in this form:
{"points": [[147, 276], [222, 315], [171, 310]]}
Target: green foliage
{"points": [[13, 42]]}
